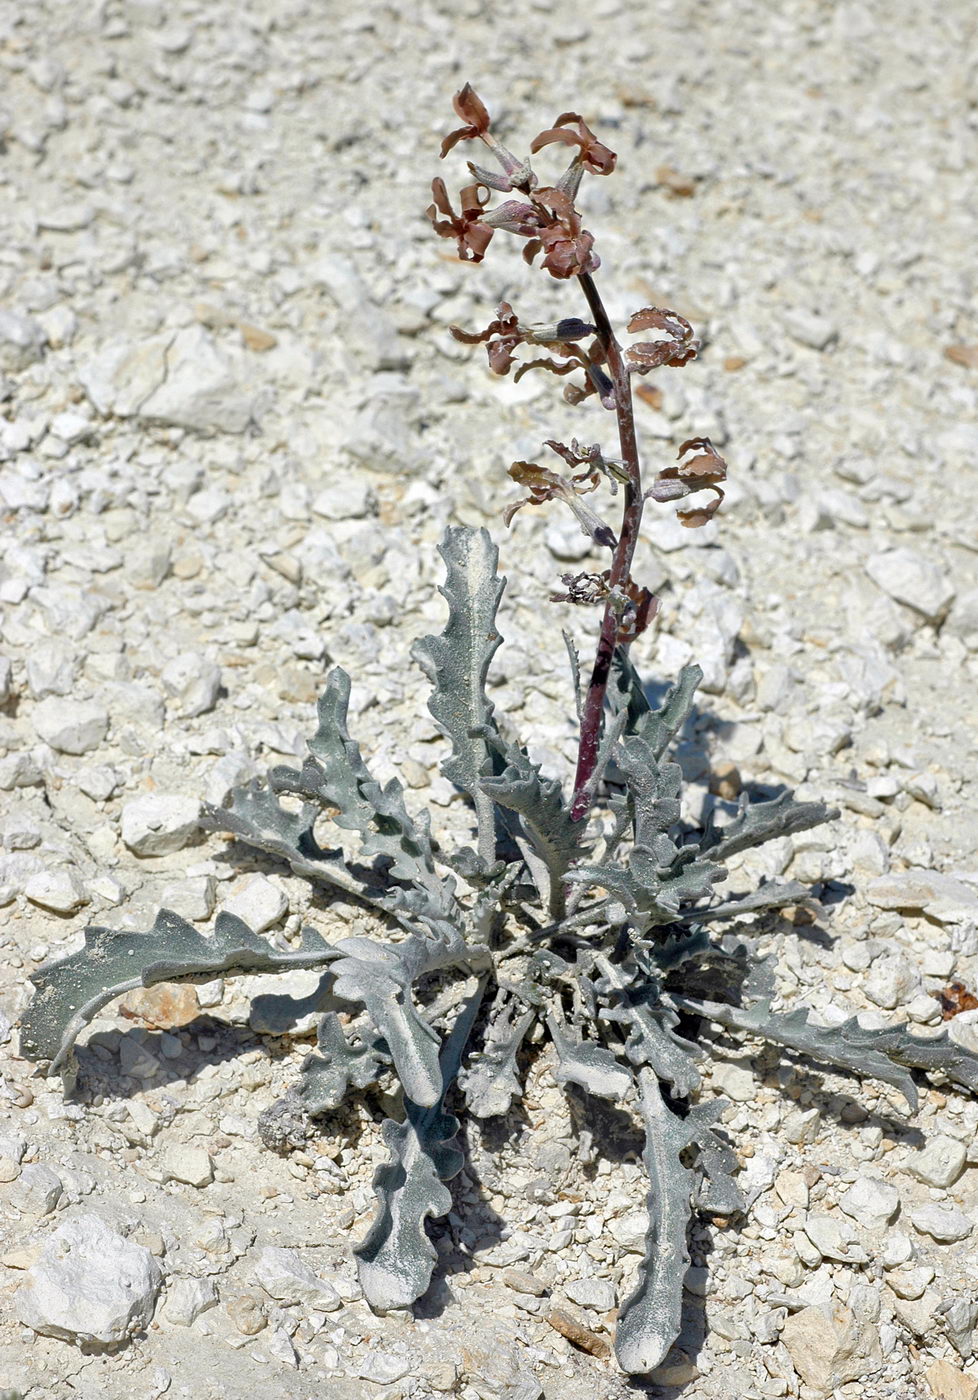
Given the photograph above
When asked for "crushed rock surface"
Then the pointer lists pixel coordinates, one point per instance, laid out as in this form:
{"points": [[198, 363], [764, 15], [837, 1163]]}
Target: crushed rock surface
{"points": [[232, 428]]}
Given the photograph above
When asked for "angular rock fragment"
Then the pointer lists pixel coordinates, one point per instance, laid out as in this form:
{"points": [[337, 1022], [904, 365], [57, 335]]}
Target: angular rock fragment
{"points": [[71, 726], [90, 1285], [159, 823]]}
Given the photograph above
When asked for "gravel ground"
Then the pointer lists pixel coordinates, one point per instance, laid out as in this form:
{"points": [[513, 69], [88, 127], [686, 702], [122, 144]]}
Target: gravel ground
{"points": [[232, 428]]}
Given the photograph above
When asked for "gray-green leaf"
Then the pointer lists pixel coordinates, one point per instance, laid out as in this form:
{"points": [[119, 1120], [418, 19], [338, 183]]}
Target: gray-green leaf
{"points": [[68, 993]]}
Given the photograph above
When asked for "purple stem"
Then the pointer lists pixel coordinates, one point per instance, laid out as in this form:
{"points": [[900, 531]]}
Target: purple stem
{"points": [[621, 564]]}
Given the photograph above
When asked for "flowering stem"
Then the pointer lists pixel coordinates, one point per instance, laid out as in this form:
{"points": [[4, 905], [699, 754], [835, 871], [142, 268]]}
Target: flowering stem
{"points": [[622, 561]]}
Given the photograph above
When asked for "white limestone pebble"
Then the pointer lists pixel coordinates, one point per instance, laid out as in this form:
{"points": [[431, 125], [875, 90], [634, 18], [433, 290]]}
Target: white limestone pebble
{"points": [[892, 981], [37, 1190], [159, 823], [193, 683], [945, 1224], [736, 1081], [597, 1293], [71, 726], [90, 1285], [191, 1165], [830, 1345], [913, 579], [287, 1279], [871, 1202], [187, 1298], [345, 499], [383, 1368], [940, 1163], [259, 902], [21, 340], [202, 389], [61, 891]]}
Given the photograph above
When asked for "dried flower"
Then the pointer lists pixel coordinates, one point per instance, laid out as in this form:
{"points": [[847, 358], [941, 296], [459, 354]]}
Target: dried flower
{"points": [[566, 245], [593, 155], [675, 348], [467, 228], [706, 470], [470, 107], [545, 485]]}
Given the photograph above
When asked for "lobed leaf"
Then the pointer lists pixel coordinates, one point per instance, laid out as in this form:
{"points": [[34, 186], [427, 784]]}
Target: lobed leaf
{"points": [[489, 1080], [457, 664], [70, 992], [396, 1258], [651, 1317], [325, 1078]]}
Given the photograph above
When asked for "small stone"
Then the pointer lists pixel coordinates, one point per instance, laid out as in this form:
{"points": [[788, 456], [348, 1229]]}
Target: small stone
{"points": [[191, 1165], [443, 1376], [21, 341], [254, 338], [945, 1224], [829, 1346], [37, 1190], [940, 1163], [913, 579], [871, 1202], [597, 1293], [892, 981], [576, 1331], [522, 1282], [383, 1368], [193, 683], [737, 1081], [97, 781], [910, 1283], [71, 726], [345, 499], [832, 1238], [159, 823], [90, 1285], [629, 1230], [51, 669], [947, 1382], [59, 890], [187, 1298], [960, 1317], [259, 902], [809, 328], [193, 898], [148, 566], [286, 1278], [247, 1313], [165, 1006]]}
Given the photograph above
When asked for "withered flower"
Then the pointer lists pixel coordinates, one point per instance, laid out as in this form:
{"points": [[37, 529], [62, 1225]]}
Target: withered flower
{"points": [[545, 485], [676, 347], [566, 245], [470, 107], [502, 336], [705, 470], [635, 606], [467, 228], [592, 154]]}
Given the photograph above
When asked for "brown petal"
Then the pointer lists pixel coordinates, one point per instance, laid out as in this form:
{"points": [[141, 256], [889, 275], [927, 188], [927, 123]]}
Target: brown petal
{"points": [[470, 107]]}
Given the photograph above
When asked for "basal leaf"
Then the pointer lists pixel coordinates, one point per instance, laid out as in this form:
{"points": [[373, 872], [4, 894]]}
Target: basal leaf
{"points": [[325, 1078], [68, 993], [591, 1066], [651, 1317], [489, 1080], [396, 1258], [457, 663], [757, 822]]}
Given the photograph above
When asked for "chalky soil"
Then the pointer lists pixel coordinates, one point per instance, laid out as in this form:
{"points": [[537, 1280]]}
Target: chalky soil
{"points": [[232, 428]]}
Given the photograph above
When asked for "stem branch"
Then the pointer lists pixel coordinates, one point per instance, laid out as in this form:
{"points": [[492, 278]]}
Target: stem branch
{"points": [[622, 561]]}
